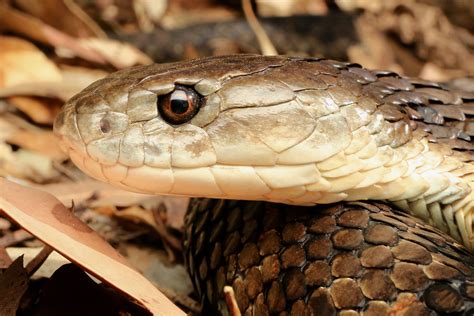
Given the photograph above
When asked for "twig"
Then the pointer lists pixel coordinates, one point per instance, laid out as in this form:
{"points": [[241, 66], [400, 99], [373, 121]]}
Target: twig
{"points": [[264, 41], [230, 300], [38, 260]]}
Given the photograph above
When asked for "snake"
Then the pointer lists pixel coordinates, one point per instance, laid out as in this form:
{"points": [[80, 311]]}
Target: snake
{"points": [[319, 186]]}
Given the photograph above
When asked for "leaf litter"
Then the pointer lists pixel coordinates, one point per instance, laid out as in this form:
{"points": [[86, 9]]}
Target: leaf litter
{"points": [[50, 50]]}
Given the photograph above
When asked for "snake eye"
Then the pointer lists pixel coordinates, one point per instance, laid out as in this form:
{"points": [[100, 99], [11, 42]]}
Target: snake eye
{"points": [[179, 106]]}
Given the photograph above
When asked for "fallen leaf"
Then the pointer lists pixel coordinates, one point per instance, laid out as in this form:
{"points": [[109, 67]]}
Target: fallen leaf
{"points": [[63, 14], [154, 264], [41, 166], [39, 110], [21, 62], [14, 237], [6, 129], [86, 298], [5, 259], [13, 284], [26, 164], [41, 142], [4, 225], [104, 194], [136, 214], [46, 218], [22, 23], [433, 72], [119, 54], [149, 13], [99, 50], [30, 137], [291, 8], [74, 79]]}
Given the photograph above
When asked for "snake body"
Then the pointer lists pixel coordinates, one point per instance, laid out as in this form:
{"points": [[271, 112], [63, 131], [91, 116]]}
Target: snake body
{"points": [[299, 131]]}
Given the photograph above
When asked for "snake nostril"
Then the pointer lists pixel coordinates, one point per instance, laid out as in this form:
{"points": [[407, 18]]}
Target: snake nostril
{"points": [[105, 125]]}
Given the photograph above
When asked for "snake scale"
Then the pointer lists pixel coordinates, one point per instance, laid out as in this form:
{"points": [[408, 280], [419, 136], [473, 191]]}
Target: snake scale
{"points": [[289, 152]]}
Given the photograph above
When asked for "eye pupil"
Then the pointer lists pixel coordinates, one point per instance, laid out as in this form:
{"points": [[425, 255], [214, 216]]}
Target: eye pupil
{"points": [[179, 106]]}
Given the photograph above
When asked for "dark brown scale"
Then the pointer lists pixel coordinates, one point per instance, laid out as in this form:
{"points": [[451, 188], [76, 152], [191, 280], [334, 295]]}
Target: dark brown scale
{"points": [[438, 109], [346, 258]]}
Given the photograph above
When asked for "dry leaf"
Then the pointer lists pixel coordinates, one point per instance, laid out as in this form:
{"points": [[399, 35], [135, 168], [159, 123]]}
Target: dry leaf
{"points": [[291, 7], [25, 164], [77, 78], [21, 62], [74, 80], [353, 5], [433, 72], [63, 14], [13, 284], [37, 147], [6, 129], [104, 194], [38, 110], [42, 166], [148, 13], [175, 207], [86, 297], [30, 137], [5, 260], [41, 142], [137, 214], [411, 33], [21, 23], [93, 49], [46, 218], [107, 198], [119, 54], [155, 265]]}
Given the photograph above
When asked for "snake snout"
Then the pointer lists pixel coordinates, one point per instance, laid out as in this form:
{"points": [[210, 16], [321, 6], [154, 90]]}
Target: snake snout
{"points": [[66, 131]]}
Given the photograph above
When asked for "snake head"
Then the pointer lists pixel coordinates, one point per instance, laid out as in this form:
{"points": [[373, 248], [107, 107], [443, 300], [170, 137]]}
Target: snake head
{"points": [[281, 129], [214, 127]]}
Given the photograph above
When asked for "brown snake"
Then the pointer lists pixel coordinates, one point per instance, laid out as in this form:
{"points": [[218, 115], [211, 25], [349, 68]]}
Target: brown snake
{"points": [[290, 130]]}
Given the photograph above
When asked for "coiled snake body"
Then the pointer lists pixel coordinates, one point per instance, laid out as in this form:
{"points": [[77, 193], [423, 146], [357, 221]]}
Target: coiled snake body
{"points": [[298, 131]]}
